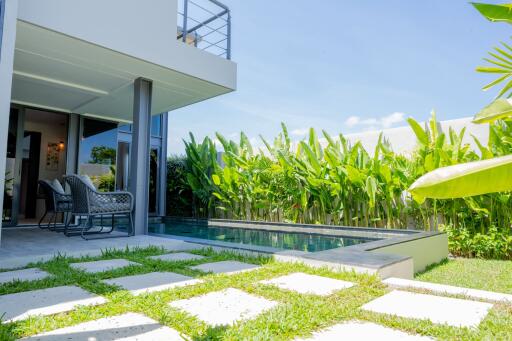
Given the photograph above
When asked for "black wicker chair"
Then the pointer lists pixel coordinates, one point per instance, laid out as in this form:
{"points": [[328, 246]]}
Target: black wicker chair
{"points": [[56, 201], [89, 203]]}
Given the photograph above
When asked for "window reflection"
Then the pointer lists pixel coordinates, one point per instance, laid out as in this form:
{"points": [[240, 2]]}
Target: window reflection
{"points": [[98, 153], [156, 125]]}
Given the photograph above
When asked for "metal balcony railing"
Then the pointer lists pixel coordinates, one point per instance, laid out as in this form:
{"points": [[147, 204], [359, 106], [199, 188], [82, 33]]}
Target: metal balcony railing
{"points": [[206, 24]]}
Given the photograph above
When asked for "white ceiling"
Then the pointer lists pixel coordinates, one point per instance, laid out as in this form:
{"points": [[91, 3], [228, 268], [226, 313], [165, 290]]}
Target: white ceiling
{"points": [[58, 72]]}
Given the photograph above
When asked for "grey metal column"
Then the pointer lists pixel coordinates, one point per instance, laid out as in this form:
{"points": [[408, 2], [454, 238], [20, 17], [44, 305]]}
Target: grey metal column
{"points": [[72, 144], [141, 142]]}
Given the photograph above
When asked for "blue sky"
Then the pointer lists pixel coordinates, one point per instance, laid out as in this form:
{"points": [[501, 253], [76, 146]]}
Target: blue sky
{"points": [[345, 66]]}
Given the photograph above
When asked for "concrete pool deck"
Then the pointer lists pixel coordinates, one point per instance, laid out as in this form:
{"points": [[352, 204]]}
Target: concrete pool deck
{"points": [[399, 253]]}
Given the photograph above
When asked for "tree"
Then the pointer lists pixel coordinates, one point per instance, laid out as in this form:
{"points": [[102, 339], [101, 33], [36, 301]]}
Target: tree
{"points": [[103, 155]]}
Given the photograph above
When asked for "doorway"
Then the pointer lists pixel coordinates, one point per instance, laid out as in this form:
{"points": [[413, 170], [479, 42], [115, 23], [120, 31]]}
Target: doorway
{"points": [[36, 151]]}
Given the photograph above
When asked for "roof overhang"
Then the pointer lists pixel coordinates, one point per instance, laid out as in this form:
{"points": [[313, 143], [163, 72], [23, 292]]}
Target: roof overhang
{"points": [[63, 73]]}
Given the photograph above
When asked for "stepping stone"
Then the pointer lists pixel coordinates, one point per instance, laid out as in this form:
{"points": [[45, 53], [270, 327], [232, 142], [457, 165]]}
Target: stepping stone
{"points": [[151, 282], [354, 330], [452, 311], [448, 289], [308, 284], [102, 265], [177, 257], [128, 326], [224, 307], [31, 274], [51, 301], [227, 267]]}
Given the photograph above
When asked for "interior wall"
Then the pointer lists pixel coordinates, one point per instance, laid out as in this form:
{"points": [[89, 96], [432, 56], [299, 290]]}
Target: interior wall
{"points": [[53, 129]]}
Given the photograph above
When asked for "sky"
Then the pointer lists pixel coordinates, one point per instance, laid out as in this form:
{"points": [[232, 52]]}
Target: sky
{"points": [[345, 66]]}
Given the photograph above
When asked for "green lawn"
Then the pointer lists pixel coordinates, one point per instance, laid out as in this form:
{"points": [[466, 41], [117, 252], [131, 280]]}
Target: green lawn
{"points": [[296, 315], [492, 275]]}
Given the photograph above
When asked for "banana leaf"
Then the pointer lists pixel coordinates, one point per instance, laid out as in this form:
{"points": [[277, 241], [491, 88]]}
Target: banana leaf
{"points": [[499, 109], [495, 13], [465, 180]]}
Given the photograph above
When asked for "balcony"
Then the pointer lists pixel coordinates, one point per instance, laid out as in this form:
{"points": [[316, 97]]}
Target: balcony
{"points": [[205, 24]]}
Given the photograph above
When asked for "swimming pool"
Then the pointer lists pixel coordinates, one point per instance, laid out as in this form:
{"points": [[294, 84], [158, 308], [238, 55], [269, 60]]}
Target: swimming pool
{"points": [[308, 242]]}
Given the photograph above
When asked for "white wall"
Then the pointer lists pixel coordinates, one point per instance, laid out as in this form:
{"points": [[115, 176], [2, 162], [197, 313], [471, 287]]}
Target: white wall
{"points": [[6, 65], [143, 29], [403, 140]]}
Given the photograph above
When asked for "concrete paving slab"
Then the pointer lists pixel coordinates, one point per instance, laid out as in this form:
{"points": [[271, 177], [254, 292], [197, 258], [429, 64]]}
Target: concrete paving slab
{"points": [[32, 274], [102, 265], [177, 257], [124, 327], [355, 330], [227, 267], [308, 284], [452, 311], [224, 307], [448, 289], [50, 301], [151, 282]]}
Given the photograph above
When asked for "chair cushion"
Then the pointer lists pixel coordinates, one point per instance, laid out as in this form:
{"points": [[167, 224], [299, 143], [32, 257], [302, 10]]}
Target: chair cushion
{"points": [[57, 186], [88, 181]]}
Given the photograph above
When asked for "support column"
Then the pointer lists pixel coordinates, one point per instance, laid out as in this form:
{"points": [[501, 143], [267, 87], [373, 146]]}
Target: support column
{"points": [[8, 18], [139, 167], [163, 166]]}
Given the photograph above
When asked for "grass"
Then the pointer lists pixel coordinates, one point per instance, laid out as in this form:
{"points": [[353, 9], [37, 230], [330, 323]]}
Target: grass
{"points": [[297, 315], [492, 275]]}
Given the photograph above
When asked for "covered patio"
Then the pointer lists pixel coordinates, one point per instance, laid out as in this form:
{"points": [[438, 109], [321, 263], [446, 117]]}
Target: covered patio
{"points": [[21, 246]]}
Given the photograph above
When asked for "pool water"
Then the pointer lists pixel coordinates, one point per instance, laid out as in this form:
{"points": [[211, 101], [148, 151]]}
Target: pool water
{"points": [[276, 239]]}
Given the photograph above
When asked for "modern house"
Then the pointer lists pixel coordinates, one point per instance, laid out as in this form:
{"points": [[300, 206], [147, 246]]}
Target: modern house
{"points": [[86, 87]]}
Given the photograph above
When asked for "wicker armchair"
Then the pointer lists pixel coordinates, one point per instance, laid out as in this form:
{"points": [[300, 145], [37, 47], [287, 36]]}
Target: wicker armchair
{"points": [[56, 201], [88, 202]]}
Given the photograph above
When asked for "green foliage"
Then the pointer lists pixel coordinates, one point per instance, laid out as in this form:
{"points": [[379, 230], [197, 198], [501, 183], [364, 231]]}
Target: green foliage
{"points": [[103, 155], [494, 244], [106, 182], [179, 193], [327, 180]]}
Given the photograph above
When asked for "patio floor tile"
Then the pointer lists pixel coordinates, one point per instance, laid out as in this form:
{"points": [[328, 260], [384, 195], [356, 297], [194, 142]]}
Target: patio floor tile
{"points": [[224, 307], [102, 265], [452, 311], [308, 284], [150, 282], [128, 326], [355, 330], [448, 289], [176, 257], [45, 302], [228, 267], [31, 274]]}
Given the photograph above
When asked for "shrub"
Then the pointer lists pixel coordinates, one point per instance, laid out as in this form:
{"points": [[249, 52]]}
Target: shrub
{"points": [[494, 244]]}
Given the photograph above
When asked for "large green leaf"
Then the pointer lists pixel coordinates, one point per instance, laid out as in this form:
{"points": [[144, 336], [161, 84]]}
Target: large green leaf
{"points": [[499, 109], [495, 13], [465, 180]]}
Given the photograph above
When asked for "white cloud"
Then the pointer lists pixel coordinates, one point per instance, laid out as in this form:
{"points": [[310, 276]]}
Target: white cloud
{"points": [[352, 121], [373, 123], [392, 119], [300, 132]]}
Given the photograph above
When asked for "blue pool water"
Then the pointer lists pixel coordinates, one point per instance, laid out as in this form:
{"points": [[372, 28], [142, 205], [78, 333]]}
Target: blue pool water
{"points": [[276, 239]]}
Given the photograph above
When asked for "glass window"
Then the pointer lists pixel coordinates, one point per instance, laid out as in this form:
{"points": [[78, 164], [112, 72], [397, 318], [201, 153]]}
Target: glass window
{"points": [[127, 128], [156, 125], [153, 180], [98, 148]]}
